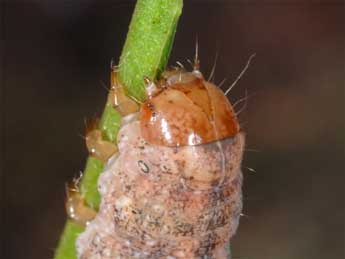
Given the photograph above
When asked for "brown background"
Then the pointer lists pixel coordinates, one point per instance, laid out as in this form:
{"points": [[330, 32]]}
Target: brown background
{"points": [[56, 54]]}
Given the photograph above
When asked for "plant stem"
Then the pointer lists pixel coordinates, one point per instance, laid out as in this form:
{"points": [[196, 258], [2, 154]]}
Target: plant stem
{"points": [[66, 249], [154, 21], [145, 53]]}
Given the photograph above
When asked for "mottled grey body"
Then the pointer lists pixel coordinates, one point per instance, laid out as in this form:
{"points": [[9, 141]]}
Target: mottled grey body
{"points": [[163, 202]]}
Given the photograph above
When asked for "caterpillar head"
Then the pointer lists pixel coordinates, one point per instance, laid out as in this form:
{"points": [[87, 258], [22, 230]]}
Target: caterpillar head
{"points": [[184, 109]]}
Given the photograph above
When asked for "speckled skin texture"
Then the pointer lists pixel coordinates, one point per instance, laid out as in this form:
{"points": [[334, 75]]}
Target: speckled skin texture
{"points": [[163, 202]]}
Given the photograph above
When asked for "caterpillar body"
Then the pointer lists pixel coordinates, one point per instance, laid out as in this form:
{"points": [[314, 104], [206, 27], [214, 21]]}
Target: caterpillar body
{"points": [[173, 189]]}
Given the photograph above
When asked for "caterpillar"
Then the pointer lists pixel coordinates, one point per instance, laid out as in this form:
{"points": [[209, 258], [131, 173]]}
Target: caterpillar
{"points": [[171, 187]]}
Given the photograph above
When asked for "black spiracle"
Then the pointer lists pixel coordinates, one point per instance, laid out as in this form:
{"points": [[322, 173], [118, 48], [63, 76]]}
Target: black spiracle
{"points": [[143, 167]]}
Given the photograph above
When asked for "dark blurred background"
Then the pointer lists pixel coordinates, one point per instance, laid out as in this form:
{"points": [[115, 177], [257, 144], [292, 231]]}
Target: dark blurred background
{"points": [[56, 58]]}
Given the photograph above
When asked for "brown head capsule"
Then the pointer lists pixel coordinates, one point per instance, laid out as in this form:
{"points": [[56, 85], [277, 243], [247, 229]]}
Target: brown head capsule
{"points": [[187, 111]]}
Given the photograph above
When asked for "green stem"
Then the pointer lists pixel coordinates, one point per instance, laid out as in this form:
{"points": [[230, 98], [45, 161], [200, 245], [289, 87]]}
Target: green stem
{"points": [[145, 53], [148, 44]]}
